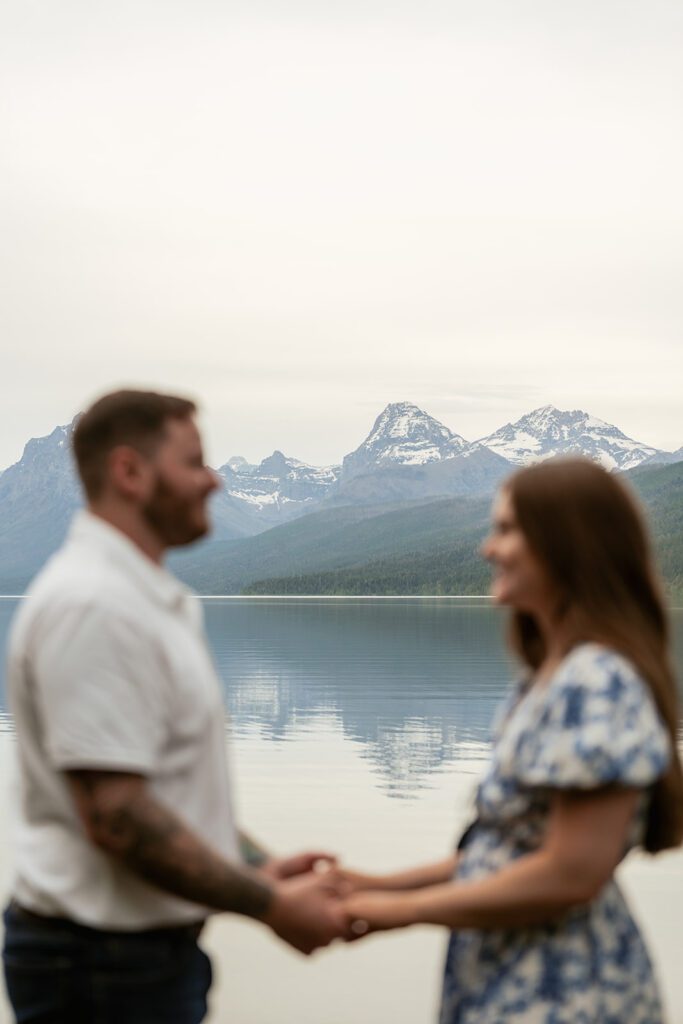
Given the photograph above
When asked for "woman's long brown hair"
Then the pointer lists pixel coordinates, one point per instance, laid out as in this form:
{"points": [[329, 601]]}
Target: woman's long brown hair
{"points": [[586, 528]]}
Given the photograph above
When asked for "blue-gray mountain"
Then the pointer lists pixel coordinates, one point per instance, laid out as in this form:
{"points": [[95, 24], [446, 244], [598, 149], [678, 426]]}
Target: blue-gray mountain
{"points": [[664, 458], [38, 496], [407, 458]]}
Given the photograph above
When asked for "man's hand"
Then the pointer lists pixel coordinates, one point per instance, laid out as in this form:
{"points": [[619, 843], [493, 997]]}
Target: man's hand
{"points": [[281, 868], [306, 912]]}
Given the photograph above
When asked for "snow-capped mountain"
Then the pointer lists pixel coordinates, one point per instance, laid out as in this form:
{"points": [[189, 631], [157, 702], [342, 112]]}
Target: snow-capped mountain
{"points": [[403, 435], [279, 488], [407, 457], [549, 431]]}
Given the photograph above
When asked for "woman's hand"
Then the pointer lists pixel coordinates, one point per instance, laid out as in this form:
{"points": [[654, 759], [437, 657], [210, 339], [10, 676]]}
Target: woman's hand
{"points": [[412, 878], [351, 882]]}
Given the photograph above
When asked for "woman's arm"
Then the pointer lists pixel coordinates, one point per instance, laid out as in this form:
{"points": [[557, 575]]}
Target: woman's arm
{"points": [[585, 841], [412, 878]]}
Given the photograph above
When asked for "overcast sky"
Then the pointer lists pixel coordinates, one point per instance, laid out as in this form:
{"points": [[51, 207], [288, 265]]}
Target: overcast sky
{"points": [[298, 212]]}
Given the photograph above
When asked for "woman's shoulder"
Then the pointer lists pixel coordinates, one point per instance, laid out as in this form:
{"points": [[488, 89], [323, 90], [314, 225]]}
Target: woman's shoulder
{"points": [[602, 670], [595, 723], [594, 653]]}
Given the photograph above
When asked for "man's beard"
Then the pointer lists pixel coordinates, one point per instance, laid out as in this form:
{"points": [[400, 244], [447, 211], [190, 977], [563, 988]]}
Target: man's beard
{"points": [[170, 517]]}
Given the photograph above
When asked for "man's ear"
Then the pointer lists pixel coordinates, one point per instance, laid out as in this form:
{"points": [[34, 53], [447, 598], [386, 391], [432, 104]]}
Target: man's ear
{"points": [[130, 472]]}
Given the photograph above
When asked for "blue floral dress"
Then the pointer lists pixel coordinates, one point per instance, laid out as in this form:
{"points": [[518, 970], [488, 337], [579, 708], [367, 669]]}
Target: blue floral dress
{"points": [[592, 724]]}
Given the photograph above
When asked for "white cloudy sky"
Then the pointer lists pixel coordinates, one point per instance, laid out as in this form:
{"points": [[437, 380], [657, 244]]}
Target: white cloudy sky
{"points": [[300, 211]]}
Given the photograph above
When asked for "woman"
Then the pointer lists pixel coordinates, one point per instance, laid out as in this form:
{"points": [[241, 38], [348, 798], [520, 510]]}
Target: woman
{"points": [[584, 767]]}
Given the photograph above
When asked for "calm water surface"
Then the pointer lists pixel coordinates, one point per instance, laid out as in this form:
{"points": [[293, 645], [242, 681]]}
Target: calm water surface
{"points": [[413, 683], [360, 726]]}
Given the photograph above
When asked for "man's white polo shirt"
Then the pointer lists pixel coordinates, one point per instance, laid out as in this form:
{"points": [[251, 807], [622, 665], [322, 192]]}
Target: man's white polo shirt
{"points": [[109, 669]]}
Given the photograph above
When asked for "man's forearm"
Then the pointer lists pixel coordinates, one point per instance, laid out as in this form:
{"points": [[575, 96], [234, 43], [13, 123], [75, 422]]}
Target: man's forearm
{"points": [[157, 846]]}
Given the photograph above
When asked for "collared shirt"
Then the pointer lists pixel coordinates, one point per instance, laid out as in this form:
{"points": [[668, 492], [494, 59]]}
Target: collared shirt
{"points": [[109, 669]]}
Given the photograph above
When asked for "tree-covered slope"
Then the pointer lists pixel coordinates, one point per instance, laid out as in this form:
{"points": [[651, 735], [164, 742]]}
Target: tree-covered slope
{"points": [[344, 538], [445, 559], [660, 489]]}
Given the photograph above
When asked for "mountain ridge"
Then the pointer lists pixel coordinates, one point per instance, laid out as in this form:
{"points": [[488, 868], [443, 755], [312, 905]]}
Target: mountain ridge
{"points": [[407, 459]]}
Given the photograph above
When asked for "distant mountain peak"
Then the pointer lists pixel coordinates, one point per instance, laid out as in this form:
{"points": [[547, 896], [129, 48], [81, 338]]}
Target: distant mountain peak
{"points": [[45, 449], [404, 419], [548, 431], [403, 434], [544, 410], [548, 417], [541, 417], [277, 464], [277, 489]]}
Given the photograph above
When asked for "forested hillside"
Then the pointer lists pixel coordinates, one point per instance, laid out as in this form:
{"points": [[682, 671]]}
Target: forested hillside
{"points": [[444, 559]]}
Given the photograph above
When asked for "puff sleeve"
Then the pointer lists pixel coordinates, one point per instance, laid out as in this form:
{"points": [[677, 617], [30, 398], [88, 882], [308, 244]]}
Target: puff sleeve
{"points": [[596, 724]]}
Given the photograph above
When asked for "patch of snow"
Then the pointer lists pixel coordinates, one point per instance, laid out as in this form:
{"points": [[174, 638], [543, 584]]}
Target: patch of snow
{"points": [[260, 500], [593, 421]]}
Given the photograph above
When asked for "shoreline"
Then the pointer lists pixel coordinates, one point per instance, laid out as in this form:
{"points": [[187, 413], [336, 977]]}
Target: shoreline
{"points": [[317, 597]]}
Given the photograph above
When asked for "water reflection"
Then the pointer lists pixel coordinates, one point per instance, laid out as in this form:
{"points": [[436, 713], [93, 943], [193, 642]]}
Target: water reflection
{"points": [[412, 684]]}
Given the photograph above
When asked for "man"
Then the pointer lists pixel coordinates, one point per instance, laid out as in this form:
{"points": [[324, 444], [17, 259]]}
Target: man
{"points": [[125, 833]]}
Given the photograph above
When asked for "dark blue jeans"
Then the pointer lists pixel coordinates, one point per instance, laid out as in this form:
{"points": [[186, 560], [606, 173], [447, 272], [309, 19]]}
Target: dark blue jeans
{"points": [[59, 972]]}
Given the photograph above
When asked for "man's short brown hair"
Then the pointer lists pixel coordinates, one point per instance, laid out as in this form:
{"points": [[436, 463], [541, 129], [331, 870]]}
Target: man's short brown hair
{"points": [[135, 418]]}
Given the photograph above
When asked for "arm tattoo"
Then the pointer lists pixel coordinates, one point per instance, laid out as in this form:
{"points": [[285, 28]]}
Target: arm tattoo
{"points": [[157, 846], [252, 852]]}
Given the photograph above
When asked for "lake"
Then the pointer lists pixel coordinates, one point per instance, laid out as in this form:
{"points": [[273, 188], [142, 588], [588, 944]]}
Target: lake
{"points": [[360, 726]]}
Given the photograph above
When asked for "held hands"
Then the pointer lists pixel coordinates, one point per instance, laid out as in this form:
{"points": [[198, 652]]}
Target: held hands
{"points": [[307, 912], [317, 902], [369, 906], [371, 901], [380, 902]]}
